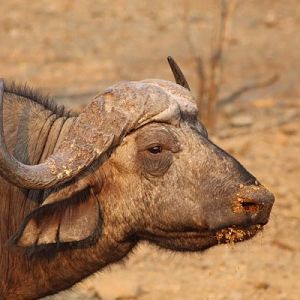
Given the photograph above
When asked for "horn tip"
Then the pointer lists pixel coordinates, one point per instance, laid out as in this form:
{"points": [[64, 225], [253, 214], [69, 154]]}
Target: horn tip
{"points": [[170, 58]]}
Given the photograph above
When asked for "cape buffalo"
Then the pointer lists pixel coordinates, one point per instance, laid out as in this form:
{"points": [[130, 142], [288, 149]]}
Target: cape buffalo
{"points": [[78, 192]]}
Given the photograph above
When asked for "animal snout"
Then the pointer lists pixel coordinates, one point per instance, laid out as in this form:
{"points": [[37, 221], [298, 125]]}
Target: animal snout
{"points": [[254, 202]]}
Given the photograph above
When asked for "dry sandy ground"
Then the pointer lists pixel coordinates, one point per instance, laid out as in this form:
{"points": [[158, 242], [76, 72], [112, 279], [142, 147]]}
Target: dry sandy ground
{"points": [[75, 48]]}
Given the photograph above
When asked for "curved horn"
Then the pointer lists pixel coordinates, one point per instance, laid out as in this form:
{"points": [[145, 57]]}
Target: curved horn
{"points": [[100, 127], [179, 77], [71, 157]]}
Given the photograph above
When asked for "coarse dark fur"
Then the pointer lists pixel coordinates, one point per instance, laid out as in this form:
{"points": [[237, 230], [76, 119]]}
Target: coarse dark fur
{"points": [[27, 92]]}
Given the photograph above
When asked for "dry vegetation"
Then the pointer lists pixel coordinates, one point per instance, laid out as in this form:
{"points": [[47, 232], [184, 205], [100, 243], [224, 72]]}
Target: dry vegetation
{"points": [[211, 73], [73, 49]]}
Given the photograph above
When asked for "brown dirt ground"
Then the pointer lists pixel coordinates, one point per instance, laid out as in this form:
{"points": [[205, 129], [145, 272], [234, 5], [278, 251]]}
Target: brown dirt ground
{"points": [[73, 49]]}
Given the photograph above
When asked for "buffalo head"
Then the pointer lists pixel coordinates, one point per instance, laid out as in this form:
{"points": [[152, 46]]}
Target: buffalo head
{"points": [[149, 171]]}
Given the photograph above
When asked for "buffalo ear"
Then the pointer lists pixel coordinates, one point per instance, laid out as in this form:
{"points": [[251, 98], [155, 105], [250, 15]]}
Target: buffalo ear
{"points": [[75, 222]]}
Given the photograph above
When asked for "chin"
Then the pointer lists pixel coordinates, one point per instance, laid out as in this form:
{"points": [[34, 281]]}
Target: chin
{"points": [[199, 241]]}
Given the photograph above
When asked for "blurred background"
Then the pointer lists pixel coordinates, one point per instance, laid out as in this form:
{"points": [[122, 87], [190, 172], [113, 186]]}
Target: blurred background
{"points": [[242, 61]]}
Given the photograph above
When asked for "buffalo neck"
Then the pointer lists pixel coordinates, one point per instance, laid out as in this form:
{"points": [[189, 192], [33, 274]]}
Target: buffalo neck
{"points": [[32, 134]]}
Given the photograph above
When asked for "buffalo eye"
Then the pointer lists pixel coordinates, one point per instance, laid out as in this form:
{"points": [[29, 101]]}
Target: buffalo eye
{"points": [[155, 149]]}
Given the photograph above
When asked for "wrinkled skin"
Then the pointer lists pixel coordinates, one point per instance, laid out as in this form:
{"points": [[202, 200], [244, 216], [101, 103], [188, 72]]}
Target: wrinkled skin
{"points": [[165, 182], [184, 219]]}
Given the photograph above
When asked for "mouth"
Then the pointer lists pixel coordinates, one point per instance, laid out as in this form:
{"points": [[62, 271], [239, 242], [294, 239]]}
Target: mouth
{"points": [[235, 234], [203, 239]]}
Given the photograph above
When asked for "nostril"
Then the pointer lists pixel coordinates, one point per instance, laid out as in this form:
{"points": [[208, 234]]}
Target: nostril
{"points": [[250, 206], [242, 205]]}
